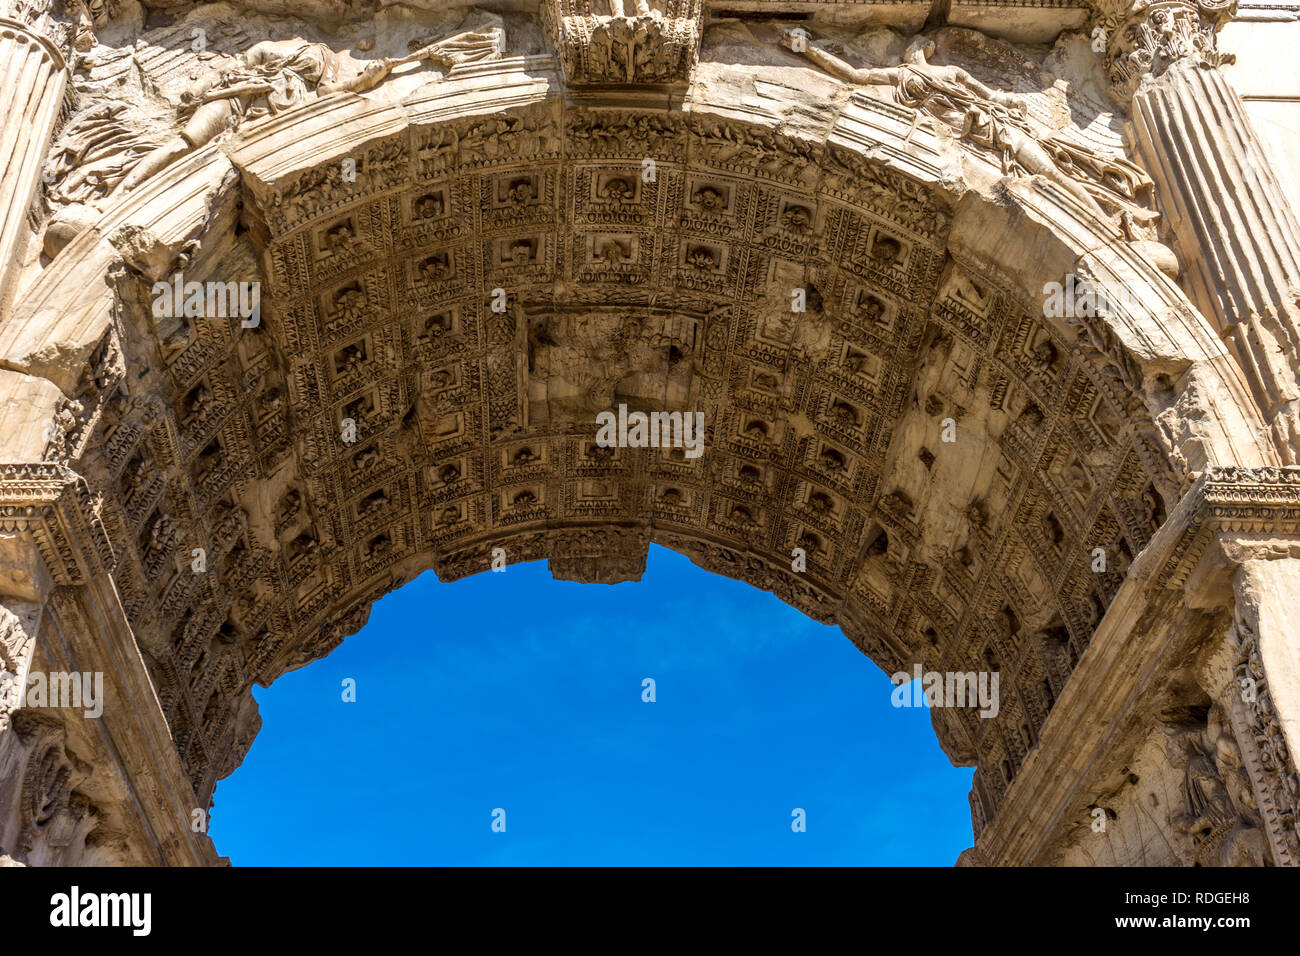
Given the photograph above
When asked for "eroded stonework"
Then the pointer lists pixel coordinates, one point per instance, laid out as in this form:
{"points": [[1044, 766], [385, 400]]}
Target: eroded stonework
{"points": [[470, 232]]}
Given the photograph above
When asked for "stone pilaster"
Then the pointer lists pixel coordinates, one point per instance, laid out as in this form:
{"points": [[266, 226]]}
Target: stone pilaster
{"points": [[1265, 701], [65, 772], [1220, 583], [33, 77], [1241, 549], [1236, 234]]}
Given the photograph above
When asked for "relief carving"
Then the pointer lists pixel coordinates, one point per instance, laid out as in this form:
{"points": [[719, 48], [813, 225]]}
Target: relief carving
{"points": [[1220, 813], [56, 817], [274, 76], [17, 646], [992, 120], [654, 43], [1144, 39], [1270, 761]]}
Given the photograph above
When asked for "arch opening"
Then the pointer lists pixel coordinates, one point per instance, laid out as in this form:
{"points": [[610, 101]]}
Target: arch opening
{"points": [[679, 720]]}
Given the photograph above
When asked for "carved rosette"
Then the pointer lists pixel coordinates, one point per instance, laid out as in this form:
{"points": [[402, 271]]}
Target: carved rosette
{"points": [[614, 50], [1146, 39]]}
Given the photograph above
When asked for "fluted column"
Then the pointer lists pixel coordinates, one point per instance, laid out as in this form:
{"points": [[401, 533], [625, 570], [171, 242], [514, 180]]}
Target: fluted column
{"points": [[1236, 234], [33, 76]]}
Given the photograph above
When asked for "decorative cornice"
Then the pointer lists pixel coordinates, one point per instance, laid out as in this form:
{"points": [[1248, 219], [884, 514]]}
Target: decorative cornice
{"points": [[1231, 500], [56, 507]]}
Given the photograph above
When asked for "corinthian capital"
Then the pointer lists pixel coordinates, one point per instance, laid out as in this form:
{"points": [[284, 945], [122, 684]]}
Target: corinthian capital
{"points": [[1143, 38], [52, 23]]}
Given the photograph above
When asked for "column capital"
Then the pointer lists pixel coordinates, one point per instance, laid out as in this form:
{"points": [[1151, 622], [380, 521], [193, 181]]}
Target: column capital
{"points": [[53, 25], [1143, 38]]}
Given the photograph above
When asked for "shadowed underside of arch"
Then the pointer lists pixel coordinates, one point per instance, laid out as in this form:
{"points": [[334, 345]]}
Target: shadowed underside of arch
{"points": [[439, 333]]}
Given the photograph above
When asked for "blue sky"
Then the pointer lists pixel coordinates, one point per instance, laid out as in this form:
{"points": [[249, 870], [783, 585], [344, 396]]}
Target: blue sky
{"points": [[514, 691]]}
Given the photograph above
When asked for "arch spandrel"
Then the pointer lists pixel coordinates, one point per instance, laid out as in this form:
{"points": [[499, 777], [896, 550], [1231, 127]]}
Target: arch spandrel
{"points": [[923, 270]]}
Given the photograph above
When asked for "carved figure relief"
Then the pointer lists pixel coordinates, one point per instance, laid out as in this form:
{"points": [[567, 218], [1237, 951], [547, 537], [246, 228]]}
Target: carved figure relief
{"points": [[1220, 812], [273, 76], [990, 119], [637, 42]]}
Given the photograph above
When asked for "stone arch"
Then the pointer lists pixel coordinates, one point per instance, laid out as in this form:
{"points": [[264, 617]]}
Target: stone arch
{"points": [[922, 291]]}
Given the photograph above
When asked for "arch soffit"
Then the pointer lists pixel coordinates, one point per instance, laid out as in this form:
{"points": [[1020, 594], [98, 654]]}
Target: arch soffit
{"points": [[1011, 236]]}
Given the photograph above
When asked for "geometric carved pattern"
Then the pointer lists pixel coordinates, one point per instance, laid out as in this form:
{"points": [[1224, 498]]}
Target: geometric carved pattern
{"points": [[474, 428]]}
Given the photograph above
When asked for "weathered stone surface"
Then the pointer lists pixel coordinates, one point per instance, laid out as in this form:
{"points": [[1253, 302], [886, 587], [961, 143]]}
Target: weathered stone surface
{"points": [[432, 249]]}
